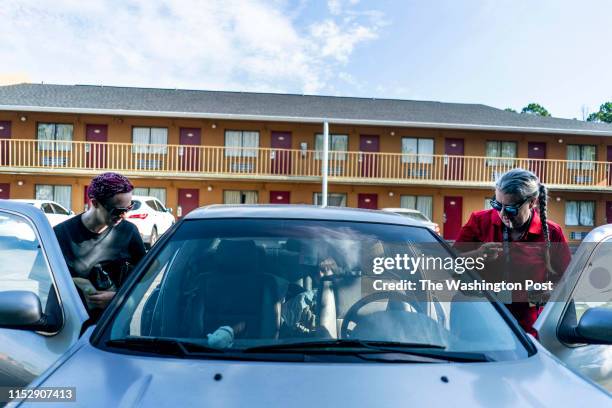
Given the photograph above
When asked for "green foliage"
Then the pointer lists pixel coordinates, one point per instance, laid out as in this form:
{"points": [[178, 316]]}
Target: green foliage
{"points": [[604, 114], [510, 110], [535, 109]]}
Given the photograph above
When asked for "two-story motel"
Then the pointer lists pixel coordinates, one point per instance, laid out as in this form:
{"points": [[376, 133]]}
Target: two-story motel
{"points": [[190, 148]]}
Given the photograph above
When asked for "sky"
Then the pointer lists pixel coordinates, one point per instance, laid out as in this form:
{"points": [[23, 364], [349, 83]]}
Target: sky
{"points": [[500, 53]]}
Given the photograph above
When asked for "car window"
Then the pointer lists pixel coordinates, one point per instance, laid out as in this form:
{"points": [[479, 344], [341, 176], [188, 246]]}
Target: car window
{"points": [[28, 269], [59, 210], [160, 206], [594, 287], [263, 278], [151, 203], [46, 208], [414, 216], [137, 205]]}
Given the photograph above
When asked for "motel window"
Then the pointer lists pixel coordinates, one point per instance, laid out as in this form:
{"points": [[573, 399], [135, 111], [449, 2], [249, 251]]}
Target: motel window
{"points": [[424, 204], [586, 154], [417, 150], [54, 136], [241, 143], [338, 146], [240, 197], [159, 193], [333, 199], [150, 140], [580, 213], [498, 148], [60, 194]]}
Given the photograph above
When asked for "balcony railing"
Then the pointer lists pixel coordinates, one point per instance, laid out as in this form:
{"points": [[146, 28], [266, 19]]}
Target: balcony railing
{"points": [[77, 157]]}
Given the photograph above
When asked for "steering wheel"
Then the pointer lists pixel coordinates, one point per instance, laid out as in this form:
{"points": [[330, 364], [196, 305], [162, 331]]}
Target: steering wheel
{"points": [[352, 314]]}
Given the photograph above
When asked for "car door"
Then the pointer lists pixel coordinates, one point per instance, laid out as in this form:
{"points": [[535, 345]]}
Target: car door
{"points": [[576, 325], [32, 269]]}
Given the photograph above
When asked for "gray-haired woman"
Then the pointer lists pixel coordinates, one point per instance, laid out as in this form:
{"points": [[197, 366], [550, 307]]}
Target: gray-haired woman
{"points": [[518, 215]]}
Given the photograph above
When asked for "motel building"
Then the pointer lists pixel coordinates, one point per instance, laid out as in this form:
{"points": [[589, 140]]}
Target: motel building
{"points": [[192, 148]]}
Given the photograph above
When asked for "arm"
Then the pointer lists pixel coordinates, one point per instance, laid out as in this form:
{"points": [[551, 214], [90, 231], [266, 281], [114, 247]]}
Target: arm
{"points": [[136, 247], [560, 254]]}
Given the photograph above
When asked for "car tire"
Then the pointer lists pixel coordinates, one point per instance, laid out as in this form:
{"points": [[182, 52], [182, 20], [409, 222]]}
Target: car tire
{"points": [[154, 237]]}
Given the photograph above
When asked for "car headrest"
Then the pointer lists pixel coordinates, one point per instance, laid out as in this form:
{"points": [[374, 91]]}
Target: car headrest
{"points": [[237, 256]]}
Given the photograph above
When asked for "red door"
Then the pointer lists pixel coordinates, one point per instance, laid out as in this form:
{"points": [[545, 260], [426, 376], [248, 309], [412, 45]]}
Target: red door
{"points": [[454, 164], [5, 136], [609, 212], [189, 156], [453, 210], [609, 160], [280, 197], [95, 152], [188, 200], [5, 191], [367, 201], [280, 155], [369, 145], [537, 151]]}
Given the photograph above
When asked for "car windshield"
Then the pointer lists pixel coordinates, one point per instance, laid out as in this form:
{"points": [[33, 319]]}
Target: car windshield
{"points": [[238, 284]]}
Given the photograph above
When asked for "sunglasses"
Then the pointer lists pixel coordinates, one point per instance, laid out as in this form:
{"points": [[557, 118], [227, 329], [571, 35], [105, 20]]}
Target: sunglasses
{"points": [[118, 211], [511, 210]]}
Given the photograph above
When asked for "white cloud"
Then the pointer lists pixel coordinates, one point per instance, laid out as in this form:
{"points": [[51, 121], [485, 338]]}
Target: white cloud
{"points": [[214, 44]]}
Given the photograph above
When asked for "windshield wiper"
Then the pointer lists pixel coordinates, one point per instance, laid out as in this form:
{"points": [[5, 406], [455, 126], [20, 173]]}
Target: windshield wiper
{"points": [[341, 344], [161, 345], [435, 351], [181, 348]]}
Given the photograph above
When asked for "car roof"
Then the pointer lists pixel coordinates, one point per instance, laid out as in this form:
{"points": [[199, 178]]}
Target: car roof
{"points": [[32, 201], [296, 211], [404, 210], [23, 207], [144, 198]]}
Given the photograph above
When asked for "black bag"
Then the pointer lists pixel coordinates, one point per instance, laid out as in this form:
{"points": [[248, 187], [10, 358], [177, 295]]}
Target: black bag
{"points": [[100, 279]]}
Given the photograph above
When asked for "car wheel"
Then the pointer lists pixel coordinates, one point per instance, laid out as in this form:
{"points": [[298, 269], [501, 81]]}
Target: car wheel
{"points": [[154, 237]]}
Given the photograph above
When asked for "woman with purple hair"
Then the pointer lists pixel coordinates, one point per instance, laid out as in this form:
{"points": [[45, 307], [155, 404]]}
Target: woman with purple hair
{"points": [[98, 246]]}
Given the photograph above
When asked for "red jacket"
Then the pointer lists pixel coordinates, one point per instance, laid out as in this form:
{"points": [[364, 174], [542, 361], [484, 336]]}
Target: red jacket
{"points": [[527, 256]]}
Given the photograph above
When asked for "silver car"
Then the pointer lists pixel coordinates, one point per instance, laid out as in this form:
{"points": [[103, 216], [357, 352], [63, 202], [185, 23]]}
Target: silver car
{"points": [[272, 306], [583, 297]]}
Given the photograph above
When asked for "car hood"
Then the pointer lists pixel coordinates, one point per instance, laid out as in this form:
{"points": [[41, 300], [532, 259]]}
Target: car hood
{"points": [[105, 378]]}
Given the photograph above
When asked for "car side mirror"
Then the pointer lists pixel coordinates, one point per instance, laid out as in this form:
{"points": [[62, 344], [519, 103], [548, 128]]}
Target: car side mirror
{"points": [[594, 327], [169, 210], [71, 212], [20, 309]]}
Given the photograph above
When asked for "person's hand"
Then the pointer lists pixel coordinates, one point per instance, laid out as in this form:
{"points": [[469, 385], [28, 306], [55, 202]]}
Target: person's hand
{"points": [[100, 299], [490, 250]]}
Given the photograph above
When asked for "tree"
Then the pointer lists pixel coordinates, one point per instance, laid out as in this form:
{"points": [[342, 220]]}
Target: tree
{"points": [[535, 109], [604, 114], [510, 110]]}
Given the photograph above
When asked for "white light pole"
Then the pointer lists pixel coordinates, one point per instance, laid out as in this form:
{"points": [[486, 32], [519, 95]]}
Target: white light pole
{"points": [[325, 164]]}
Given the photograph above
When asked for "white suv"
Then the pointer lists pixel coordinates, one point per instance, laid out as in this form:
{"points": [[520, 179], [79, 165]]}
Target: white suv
{"points": [[150, 217], [54, 212]]}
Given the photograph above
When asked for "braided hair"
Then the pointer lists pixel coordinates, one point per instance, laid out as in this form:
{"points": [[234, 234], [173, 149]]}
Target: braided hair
{"points": [[525, 184]]}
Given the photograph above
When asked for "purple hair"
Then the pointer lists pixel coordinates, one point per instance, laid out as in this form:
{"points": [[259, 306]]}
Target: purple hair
{"points": [[106, 185]]}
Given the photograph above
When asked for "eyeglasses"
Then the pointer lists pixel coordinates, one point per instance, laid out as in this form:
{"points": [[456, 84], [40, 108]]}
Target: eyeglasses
{"points": [[118, 211], [511, 210]]}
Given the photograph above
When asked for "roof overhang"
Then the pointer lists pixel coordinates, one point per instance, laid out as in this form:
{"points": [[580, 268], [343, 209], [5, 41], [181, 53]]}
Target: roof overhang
{"points": [[299, 119]]}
